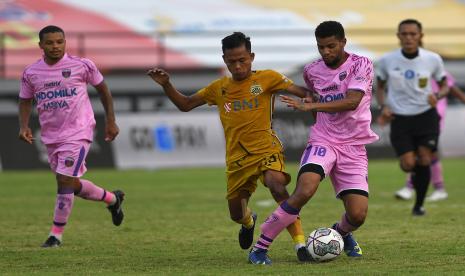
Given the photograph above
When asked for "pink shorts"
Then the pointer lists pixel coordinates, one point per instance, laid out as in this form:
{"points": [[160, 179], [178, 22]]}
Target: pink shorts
{"points": [[347, 165], [68, 158]]}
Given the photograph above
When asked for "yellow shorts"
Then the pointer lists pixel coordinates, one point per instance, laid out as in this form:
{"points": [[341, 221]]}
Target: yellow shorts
{"points": [[242, 174]]}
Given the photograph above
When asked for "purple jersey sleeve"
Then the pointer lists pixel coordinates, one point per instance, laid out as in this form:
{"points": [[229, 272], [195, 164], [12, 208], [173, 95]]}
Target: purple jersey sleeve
{"points": [[306, 78], [26, 91], [362, 74], [94, 77]]}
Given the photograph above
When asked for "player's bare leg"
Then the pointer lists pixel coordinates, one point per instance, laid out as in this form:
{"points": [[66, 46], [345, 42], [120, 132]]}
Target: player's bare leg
{"points": [[276, 182], [63, 206], [284, 215], [68, 187], [241, 214], [356, 206], [89, 191]]}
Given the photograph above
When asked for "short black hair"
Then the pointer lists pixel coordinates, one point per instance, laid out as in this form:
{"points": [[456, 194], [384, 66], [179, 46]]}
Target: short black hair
{"points": [[410, 21], [330, 28], [50, 29], [235, 40]]}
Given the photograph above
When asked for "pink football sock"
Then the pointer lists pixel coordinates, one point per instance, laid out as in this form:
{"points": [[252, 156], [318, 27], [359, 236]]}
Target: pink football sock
{"points": [[344, 227], [91, 191], [436, 175], [282, 217], [63, 207], [408, 182]]}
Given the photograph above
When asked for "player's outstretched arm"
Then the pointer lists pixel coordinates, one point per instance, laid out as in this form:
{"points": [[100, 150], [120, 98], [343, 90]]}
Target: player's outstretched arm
{"points": [[25, 109], [111, 128], [386, 115], [458, 93], [350, 102], [183, 103], [299, 91], [380, 92]]}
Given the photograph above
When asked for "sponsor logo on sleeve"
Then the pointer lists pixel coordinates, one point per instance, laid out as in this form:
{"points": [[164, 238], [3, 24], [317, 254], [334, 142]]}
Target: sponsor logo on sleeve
{"points": [[227, 107]]}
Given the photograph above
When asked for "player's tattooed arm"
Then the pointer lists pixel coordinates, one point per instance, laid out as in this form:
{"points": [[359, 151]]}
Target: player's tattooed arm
{"points": [[350, 102]]}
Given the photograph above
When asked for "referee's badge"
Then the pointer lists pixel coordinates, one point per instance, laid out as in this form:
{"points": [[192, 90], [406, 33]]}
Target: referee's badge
{"points": [[422, 82], [256, 89]]}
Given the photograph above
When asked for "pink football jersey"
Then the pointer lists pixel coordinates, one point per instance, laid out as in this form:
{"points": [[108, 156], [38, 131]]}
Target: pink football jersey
{"points": [[350, 127], [60, 92], [441, 106]]}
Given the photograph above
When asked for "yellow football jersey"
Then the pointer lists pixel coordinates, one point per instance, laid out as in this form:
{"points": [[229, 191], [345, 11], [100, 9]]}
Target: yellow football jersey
{"points": [[245, 109]]}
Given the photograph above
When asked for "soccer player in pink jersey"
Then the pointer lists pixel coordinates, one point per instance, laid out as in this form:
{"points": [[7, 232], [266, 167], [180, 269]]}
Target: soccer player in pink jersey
{"points": [[336, 147], [58, 84]]}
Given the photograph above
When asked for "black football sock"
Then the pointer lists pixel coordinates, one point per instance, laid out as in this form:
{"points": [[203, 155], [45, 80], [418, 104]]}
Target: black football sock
{"points": [[420, 178]]}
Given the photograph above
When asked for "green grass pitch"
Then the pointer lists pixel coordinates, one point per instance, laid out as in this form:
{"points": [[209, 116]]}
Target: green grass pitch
{"points": [[177, 223]]}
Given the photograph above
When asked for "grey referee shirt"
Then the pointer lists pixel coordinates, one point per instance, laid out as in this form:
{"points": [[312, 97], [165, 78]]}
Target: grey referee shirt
{"points": [[409, 80]]}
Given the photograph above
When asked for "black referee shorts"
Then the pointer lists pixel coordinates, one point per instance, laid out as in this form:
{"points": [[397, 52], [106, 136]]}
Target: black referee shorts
{"points": [[410, 132]]}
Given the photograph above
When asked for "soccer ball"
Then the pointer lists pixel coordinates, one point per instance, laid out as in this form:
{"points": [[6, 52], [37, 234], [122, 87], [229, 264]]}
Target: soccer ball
{"points": [[325, 244]]}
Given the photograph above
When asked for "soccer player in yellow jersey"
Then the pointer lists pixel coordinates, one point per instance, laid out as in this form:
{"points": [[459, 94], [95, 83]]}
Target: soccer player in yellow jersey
{"points": [[253, 151]]}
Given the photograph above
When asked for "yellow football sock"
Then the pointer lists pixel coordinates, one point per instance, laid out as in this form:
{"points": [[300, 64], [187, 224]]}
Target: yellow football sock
{"points": [[247, 220], [296, 231]]}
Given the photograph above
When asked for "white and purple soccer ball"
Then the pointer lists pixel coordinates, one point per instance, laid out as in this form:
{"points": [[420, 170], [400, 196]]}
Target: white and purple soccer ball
{"points": [[325, 244]]}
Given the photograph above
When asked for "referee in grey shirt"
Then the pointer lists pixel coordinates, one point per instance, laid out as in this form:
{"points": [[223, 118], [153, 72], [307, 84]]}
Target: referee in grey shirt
{"points": [[405, 74]]}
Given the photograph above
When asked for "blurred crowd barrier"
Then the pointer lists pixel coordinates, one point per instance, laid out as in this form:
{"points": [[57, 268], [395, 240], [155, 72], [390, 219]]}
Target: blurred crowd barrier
{"points": [[174, 139]]}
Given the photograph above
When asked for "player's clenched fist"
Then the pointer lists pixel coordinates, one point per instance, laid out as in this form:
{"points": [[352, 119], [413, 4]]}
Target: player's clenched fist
{"points": [[25, 134], [159, 75]]}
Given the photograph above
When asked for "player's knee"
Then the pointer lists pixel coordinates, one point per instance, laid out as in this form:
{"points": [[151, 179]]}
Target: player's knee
{"points": [[424, 161], [407, 165], [278, 191], [65, 181]]}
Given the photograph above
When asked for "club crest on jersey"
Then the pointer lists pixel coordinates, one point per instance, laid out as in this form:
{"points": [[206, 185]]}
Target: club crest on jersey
{"points": [[69, 161], [342, 76], [256, 89], [66, 73], [422, 82]]}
